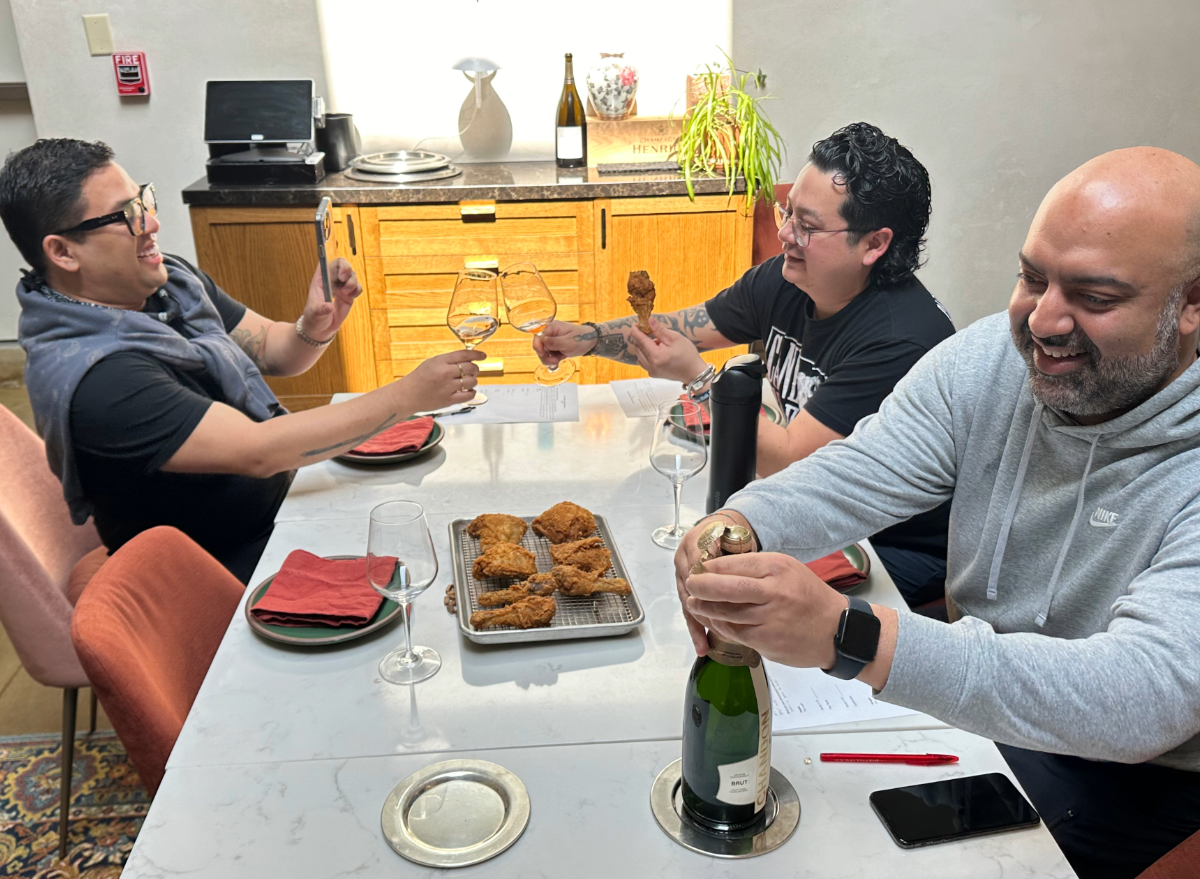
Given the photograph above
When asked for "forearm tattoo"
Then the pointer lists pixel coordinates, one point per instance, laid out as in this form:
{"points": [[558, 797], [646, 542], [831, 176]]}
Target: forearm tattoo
{"points": [[255, 346], [353, 441], [613, 343]]}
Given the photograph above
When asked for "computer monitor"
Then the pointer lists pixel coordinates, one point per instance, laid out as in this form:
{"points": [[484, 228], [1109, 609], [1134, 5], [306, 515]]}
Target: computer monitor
{"points": [[258, 111]]}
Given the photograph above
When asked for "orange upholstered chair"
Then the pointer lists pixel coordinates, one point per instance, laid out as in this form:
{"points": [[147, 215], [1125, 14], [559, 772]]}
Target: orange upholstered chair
{"points": [[43, 559], [1181, 862], [766, 233], [146, 631]]}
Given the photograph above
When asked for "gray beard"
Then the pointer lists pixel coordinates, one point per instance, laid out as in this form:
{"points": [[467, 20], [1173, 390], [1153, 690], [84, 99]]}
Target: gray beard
{"points": [[1103, 385]]}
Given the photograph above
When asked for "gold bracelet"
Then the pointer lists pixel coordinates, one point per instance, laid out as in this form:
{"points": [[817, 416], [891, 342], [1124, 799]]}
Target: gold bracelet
{"points": [[308, 340]]}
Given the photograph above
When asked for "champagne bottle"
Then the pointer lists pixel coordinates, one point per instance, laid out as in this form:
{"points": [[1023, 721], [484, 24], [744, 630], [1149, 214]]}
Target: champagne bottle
{"points": [[727, 728], [570, 148]]}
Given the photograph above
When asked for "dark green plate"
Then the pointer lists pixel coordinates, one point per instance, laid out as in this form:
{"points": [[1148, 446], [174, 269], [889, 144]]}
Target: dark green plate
{"points": [[315, 636], [858, 557], [435, 437], [769, 410]]}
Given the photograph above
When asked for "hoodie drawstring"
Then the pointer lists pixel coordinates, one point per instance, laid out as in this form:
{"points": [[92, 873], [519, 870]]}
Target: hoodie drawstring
{"points": [[1062, 554], [1010, 512]]}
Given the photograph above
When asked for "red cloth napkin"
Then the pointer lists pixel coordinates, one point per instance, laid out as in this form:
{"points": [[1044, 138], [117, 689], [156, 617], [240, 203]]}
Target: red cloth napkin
{"points": [[407, 436], [836, 570], [312, 591], [689, 417]]}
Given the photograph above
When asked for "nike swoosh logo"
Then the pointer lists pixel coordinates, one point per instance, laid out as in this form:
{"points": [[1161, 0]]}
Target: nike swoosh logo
{"points": [[1100, 523]]}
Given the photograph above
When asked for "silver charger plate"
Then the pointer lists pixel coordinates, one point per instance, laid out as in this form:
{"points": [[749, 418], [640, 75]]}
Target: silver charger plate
{"points": [[456, 813], [417, 177], [583, 616], [400, 162], [781, 819]]}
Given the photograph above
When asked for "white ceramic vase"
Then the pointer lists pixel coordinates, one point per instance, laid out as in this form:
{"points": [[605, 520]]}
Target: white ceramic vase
{"points": [[612, 83]]}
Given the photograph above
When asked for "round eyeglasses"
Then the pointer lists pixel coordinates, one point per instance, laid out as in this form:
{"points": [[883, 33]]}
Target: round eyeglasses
{"points": [[132, 213], [801, 233]]}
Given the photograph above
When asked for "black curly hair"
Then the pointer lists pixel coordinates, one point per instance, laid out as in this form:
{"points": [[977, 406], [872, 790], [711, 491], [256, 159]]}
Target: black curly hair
{"points": [[41, 191], [885, 187]]}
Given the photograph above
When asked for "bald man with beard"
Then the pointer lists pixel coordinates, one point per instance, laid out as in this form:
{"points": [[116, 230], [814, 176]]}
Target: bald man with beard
{"points": [[1068, 434]]}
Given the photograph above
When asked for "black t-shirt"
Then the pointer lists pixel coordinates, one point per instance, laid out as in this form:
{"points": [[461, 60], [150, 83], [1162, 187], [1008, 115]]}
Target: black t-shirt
{"points": [[130, 414], [839, 368]]}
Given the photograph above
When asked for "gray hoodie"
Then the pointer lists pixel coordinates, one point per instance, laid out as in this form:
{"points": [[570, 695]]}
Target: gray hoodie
{"points": [[1074, 553]]}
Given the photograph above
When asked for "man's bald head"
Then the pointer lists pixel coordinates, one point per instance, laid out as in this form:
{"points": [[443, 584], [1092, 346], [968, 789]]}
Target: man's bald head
{"points": [[1106, 311], [1144, 198]]}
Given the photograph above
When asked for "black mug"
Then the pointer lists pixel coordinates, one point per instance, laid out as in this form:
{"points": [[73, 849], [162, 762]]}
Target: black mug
{"points": [[734, 407], [338, 140]]}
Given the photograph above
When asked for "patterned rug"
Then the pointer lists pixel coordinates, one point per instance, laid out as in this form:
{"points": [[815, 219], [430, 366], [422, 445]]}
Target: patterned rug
{"points": [[108, 803]]}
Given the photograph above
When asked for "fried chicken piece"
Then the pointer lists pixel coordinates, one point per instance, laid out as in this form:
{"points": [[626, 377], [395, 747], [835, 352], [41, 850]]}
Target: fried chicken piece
{"points": [[504, 560], [493, 528], [588, 555], [528, 613], [564, 522], [641, 297], [572, 581], [538, 584]]}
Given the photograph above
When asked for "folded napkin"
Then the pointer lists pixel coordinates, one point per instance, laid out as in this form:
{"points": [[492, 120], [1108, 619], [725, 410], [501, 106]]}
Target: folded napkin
{"points": [[312, 591], [836, 570], [407, 436]]}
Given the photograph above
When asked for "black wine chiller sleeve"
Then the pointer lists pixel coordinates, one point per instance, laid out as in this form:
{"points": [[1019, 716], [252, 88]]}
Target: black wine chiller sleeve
{"points": [[736, 402]]}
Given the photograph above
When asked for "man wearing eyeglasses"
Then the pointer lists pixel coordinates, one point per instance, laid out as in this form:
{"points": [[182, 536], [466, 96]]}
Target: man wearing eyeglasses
{"points": [[840, 313], [146, 378]]}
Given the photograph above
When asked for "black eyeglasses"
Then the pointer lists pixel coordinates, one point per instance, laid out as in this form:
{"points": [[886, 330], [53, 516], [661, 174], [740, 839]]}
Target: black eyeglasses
{"points": [[132, 213]]}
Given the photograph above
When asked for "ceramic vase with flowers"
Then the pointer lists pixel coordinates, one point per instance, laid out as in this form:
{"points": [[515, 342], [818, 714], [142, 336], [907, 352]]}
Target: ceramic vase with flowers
{"points": [[612, 84]]}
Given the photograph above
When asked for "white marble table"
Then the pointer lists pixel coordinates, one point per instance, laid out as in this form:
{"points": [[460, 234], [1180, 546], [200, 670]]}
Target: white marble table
{"points": [[288, 753], [590, 818]]}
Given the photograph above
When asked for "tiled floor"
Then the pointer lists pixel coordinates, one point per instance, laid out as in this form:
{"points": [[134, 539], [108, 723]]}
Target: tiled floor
{"points": [[26, 706]]}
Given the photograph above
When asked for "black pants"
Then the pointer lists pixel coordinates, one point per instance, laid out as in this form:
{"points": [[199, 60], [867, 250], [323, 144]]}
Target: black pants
{"points": [[1111, 820], [920, 577]]}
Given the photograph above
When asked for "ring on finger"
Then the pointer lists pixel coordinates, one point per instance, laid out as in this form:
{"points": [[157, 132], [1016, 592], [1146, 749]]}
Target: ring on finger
{"points": [[461, 389], [460, 372]]}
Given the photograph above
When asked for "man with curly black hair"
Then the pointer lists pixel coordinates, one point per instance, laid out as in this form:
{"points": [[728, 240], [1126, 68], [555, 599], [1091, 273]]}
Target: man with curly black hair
{"points": [[840, 313]]}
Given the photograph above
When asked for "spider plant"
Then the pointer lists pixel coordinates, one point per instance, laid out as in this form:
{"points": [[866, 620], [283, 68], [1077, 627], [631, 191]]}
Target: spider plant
{"points": [[728, 133]]}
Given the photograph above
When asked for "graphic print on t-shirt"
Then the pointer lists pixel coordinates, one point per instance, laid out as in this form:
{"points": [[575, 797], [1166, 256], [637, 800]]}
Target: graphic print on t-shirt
{"points": [[793, 376]]}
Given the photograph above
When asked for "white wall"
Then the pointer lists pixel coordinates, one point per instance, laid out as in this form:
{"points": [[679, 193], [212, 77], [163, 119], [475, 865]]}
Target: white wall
{"points": [[998, 99], [390, 63], [159, 138], [16, 131]]}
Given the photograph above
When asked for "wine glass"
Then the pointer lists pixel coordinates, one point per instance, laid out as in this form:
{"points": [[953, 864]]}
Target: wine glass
{"points": [[473, 314], [401, 563], [678, 453], [531, 307]]}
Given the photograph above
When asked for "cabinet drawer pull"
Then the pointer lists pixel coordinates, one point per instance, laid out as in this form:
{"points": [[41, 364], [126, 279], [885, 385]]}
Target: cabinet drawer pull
{"points": [[603, 229], [491, 367], [350, 229], [477, 213]]}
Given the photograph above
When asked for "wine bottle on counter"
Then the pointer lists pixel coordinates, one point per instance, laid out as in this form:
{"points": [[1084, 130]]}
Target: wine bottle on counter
{"points": [[727, 721], [570, 141]]}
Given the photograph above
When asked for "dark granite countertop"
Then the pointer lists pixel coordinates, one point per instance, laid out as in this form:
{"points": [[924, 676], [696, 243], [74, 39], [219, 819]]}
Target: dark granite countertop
{"points": [[498, 181]]}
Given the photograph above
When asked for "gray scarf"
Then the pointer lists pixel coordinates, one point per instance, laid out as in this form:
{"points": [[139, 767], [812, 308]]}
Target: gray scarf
{"points": [[63, 338]]}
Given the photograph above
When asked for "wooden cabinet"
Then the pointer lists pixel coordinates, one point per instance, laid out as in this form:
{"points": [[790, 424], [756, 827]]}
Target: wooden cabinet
{"points": [[408, 256], [265, 258]]}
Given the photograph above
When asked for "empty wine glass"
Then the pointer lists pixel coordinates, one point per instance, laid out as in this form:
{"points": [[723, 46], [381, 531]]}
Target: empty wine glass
{"points": [[473, 314], [678, 453], [531, 307], [401, 563]]}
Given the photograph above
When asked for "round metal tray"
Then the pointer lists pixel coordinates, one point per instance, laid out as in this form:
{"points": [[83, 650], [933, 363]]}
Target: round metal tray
{"points": [[422, 177], [456, 813], [778, 824], [400, 162]]}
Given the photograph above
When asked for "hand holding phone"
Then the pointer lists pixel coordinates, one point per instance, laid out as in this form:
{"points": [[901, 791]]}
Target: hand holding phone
{"points": [[324, 226], [956, 808]]}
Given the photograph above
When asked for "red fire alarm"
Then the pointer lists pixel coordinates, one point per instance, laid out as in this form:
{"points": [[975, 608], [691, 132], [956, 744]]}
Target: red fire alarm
{"points": [[130, 68]]}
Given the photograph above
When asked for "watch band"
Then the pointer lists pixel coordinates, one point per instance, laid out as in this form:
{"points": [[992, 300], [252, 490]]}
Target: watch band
{"points": [[591, 352], [848, 666]]}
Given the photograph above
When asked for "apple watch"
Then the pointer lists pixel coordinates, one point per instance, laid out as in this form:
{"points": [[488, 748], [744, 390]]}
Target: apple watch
{"points": [[856, 641]]}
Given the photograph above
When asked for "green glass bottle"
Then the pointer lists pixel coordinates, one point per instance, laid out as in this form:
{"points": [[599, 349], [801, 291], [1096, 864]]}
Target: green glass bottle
{"points": [[727, 732]]}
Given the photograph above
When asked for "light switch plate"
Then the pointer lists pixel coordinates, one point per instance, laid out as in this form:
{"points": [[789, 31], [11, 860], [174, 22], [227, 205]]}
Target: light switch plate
{"points": [[99, 34]]}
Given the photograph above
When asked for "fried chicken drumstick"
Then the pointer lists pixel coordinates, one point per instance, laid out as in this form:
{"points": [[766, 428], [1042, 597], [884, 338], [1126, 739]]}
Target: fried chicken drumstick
{"points": [[528, 613], [493, 528], [641, 297], [572, 581], [565, 522], [588, 555], [538, 584]]}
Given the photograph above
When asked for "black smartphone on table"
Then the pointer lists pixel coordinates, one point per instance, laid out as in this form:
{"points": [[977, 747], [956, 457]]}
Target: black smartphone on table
{"points": [[956, 808], [324, 224]]}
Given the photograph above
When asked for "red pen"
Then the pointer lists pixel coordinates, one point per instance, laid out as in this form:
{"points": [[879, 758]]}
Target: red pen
{"points": [[907, 759]]}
